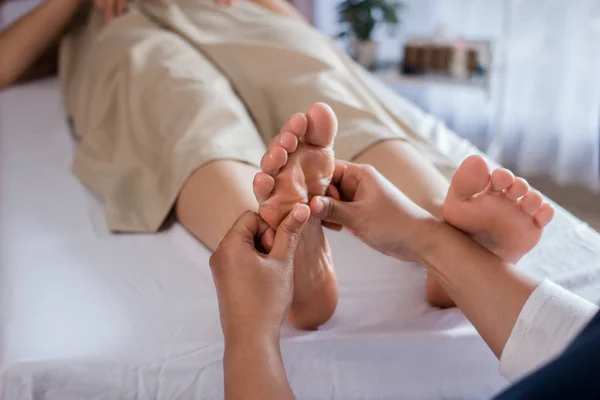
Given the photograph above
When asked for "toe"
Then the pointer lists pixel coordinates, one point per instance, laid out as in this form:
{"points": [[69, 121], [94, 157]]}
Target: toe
{"points": [[263, 186], [544, 215], [518, 189], [322, 125], [470, 178], [531, 202], [287, 140], [501, 179], [274, 158], [296, 124]]}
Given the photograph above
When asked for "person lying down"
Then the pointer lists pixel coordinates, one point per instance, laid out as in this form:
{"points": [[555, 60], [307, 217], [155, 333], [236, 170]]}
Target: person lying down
{"points": [[179, 103], [526, 323]]}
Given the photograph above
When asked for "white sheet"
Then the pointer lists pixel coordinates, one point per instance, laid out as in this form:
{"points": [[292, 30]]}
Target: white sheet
{"points": [[88, 315]]}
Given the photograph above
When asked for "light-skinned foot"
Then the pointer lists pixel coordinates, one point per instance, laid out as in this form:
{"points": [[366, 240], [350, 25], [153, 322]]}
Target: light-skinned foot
{"points": [[496, 208], [297, 166]]}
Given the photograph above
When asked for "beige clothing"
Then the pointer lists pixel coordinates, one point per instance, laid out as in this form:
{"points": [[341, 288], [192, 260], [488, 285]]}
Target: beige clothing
{"points": [[172, 85]]}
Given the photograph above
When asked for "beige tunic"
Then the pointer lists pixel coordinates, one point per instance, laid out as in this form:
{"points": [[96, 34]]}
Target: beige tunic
{"points": [[174, 84]]}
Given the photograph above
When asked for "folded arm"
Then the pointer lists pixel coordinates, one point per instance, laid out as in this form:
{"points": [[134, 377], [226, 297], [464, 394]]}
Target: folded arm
{"points": [[25, 41]]}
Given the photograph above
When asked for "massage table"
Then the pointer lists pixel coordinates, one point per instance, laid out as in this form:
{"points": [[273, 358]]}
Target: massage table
{"points": [[87, 314]]}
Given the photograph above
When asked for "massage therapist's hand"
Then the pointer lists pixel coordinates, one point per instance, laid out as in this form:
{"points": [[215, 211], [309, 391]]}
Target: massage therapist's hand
{"points": [[374, 210], [255, 289]]}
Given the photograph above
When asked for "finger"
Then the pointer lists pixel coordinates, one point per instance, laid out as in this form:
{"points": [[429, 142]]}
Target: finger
{"points": [[338, 171], [267, 239], [331, 210], [245, 229], [288, 233], [263, 227], [332, 226], [333, 192], [346, 177]]}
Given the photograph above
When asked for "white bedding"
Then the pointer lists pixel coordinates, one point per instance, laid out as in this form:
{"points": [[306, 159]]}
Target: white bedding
{"points": [[89, 315]]}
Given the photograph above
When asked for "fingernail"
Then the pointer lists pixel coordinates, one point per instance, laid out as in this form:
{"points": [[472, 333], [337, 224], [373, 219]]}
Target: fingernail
{"points": [[301, 214], [319, 206]]}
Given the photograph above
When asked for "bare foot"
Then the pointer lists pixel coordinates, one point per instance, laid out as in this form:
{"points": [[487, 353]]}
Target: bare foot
{"points": [[298, 165], [497, 209]]}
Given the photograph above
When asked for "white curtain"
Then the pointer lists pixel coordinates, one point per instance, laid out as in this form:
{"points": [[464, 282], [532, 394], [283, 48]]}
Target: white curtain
{"points": [[551, 101], [543, 108]]}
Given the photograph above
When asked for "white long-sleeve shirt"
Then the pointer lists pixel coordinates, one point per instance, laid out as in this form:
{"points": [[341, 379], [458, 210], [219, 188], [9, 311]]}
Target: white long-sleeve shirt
{"points": [[548, 322]]}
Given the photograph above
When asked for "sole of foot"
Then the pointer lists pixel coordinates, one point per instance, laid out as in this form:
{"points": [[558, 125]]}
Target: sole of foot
{"points": [[297, 166]]}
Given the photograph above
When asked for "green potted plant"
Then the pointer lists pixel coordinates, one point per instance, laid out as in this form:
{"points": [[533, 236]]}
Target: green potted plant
{"points": [[359, 18]]}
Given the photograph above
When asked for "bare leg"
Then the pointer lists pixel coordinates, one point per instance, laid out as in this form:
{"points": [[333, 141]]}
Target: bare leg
{"points": [[406, 168], [213, 198]]}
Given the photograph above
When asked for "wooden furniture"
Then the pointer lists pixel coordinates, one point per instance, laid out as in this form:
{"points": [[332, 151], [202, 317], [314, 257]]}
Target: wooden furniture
{"points": [[427, 62]]}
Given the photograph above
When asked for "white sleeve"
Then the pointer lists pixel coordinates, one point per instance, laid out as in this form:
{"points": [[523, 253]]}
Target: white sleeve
{"points": [[548, 322]]}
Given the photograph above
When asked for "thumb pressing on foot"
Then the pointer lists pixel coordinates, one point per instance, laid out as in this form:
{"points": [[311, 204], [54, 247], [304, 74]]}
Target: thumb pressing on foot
{"points": [[288, 233], [332, 211]]}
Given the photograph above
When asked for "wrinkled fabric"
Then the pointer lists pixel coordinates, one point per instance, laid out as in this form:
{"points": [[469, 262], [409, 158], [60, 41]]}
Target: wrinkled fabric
{"points": [[172, 85]]}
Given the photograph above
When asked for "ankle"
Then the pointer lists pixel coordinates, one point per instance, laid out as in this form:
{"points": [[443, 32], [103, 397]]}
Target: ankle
{"points": [[436, 208], [424, 238]]}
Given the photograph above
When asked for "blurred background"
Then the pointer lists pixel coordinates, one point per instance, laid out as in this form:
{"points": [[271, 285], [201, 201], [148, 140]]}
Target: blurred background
{"points": [[518, 78]]}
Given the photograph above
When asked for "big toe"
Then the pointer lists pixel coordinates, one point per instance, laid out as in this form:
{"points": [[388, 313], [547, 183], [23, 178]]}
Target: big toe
{"points": [[470, 178], [322, 125]]}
